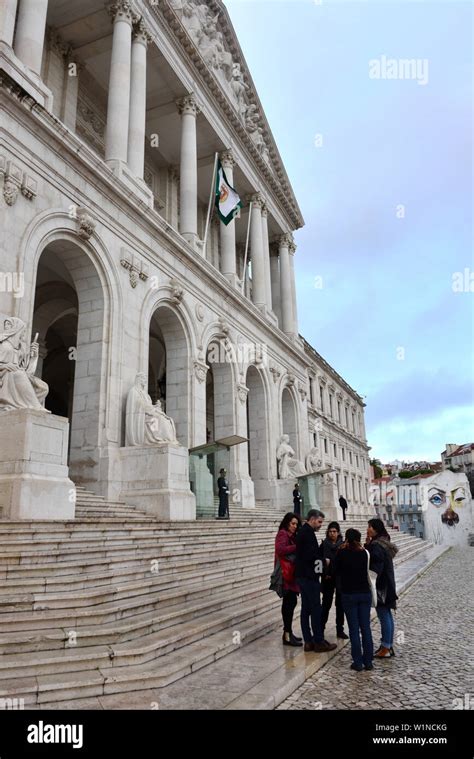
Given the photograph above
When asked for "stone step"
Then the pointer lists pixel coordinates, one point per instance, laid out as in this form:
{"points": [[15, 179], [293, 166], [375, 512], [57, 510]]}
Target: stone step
{"points": [[172, 610], [51, 689], [177, 628], [94, 598]]}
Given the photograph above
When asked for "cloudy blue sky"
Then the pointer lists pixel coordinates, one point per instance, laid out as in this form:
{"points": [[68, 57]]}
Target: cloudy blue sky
{"points": [[386, 191]]}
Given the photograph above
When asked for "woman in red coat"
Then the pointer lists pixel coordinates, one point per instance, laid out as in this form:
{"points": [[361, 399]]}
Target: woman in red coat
{"points": [[285, 547]]}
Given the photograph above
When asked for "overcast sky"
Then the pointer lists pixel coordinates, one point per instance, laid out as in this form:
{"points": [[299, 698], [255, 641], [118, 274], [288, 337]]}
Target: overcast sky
{"points": [[382, 170]]}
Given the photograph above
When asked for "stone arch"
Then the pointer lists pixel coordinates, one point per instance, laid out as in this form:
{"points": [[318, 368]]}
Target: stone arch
{"points": [[56, 225], [258, 430]]}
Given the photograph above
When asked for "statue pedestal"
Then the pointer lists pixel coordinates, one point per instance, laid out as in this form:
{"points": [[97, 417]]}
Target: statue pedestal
{"points": [[156, 480], [34, 481], [281, 494]]}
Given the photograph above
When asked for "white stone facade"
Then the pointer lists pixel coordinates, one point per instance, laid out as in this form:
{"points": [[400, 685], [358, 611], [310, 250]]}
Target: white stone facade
{"points": [[112, 116]]}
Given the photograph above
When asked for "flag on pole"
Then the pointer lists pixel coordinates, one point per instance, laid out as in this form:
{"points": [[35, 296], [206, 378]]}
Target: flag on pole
{"points": [[228, 202]]}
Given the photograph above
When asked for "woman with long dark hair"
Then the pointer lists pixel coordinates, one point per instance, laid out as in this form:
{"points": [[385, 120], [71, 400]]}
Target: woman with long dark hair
{"points": [[351, 570], [285, 547], [382, 552]]}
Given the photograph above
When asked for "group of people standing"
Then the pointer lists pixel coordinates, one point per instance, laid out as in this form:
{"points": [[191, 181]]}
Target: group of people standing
{"points": [[337, 568]]}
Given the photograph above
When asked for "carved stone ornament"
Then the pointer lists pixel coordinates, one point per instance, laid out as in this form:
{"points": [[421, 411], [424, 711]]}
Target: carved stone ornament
{"points": [[29, 187], [276, 374], [121, 10], [224, 327], [199, 311], [12, 182], [303, 392], [200, 370], [177, 291], [290, 380], [10, 191], [86, 223], [136, 268], [188, 106], [242, 392]]}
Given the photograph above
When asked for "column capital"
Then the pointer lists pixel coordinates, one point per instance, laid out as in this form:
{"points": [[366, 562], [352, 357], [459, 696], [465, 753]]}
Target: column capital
{"points": [[141, 33], [188, 106], [292, 247], [264, 212], [256, 199], [285, 240], [227, 159], [121, 10]]}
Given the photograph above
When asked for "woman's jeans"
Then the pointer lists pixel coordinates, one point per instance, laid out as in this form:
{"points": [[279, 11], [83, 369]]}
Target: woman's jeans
{"points": [[387, 625], [290, 599], [357, 610]]}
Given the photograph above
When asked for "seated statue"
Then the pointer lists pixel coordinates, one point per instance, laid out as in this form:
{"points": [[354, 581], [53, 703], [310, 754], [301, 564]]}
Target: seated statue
{"points": [[145, 423], [19, 388], [313, 462], [288, 466]]}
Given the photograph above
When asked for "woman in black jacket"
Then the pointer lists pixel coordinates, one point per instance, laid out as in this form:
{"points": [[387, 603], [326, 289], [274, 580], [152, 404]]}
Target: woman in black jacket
{"points": [[351, 570], [382, 552], [330, 547]]}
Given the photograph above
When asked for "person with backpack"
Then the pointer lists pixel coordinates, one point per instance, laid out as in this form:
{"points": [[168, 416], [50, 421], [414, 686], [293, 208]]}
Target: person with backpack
{"points": [[285, 551], [382, 553]]}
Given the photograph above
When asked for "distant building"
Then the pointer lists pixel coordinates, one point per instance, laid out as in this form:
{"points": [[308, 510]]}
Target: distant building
{"points": [[460, 458], [383, 496]]}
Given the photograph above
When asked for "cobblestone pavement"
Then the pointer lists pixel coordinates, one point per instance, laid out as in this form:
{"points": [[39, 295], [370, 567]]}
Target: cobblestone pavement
{"points": [[433, 668]]}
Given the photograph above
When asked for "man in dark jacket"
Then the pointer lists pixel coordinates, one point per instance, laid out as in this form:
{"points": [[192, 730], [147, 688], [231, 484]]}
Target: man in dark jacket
{"points": [[308, 570], [343, 505]]}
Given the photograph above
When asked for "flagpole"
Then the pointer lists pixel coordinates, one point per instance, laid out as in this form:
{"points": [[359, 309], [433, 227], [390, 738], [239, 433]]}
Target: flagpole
{"points": [[246, 248], [212, 193]]}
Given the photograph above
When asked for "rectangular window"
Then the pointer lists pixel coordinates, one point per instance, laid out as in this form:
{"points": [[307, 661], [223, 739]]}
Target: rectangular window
{"points": [[350, 456], [347, 418], [330, 404], [339, 411], [335, 450], [325, 445], [345, 487], [343, 454], [321, 397]]}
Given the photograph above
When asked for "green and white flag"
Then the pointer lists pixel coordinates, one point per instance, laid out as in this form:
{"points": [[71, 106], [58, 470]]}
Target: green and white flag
{"points": [[228, 202]]}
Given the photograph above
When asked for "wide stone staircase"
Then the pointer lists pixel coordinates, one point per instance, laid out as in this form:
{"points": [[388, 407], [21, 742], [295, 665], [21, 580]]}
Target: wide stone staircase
{"points": [[115, 601]]}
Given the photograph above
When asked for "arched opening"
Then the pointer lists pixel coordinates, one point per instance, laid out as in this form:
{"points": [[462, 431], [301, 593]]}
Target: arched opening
{"points": [[69, 317], [168, 369], [288, 416], [257, 430]]}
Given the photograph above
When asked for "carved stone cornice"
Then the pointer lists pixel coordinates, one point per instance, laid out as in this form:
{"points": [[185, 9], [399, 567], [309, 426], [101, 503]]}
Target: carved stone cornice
{"points": [[188, 106]]}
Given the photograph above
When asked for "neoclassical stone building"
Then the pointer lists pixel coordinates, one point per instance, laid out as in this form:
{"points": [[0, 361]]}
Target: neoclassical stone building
{"points": [[112, 115]]}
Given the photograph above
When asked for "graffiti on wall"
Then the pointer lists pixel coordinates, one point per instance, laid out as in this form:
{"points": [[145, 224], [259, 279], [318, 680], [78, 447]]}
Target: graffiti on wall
{"points": [[447, 506]]}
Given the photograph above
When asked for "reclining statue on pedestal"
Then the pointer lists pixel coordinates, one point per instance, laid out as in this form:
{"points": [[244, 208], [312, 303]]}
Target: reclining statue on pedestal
{"points": [[288, 466], [145, 423], [19, 388]]}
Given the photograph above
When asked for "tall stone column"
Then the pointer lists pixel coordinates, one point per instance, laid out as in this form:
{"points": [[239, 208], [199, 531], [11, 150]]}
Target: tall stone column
{"points": [[227, 233], [294, 306], [266, 258], [259, 293], [275, 282], [188, 110], [136, 128], [30, 31], [285, 285], [7, 20], [118, 106]]}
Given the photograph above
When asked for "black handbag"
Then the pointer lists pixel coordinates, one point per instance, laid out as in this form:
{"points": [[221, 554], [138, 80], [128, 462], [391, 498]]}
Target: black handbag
{"points": [[276, 580]]}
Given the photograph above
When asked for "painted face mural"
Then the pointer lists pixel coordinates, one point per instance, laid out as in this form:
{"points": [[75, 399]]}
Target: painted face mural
{"points": [[457, 498]]}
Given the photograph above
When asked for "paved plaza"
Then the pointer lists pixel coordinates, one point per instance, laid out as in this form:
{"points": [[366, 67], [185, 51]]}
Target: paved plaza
{"points": [[433, 668]]}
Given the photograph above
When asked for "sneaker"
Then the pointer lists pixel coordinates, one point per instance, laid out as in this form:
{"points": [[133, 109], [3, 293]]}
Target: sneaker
{"points": [[342, 635], [382, 653], [308, 647], [357, 667], [324, 647]]}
